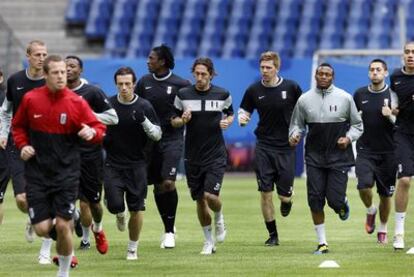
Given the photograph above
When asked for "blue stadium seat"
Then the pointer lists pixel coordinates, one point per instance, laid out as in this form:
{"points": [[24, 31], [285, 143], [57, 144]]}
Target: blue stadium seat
{"points": [[99, 19], [77, 12]]}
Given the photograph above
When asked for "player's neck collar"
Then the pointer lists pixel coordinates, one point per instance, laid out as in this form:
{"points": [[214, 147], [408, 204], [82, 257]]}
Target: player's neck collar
{"points": [[162, 78], [133, 100], [405, 72], [33, 78], [82, 82], [384, 88], [278, 82]]}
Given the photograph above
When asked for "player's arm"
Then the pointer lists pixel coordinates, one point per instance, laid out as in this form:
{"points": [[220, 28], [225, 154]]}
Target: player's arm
{"points": [[228, 111], [20, 132], [150, 123], [387, 111], [108, 117], [394, 103], [179, 121], [356, 129], [297, 124], [103, 109], [6, 112], [91, 129]]}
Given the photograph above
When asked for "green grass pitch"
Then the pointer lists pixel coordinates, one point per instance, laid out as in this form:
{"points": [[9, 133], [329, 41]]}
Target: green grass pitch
{"points": [[242, 254]]}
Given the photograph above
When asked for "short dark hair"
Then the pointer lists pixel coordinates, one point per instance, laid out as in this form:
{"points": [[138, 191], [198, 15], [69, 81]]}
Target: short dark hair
{"points": [[207, 62], [384, 64], [49, 59], [80, 62], [164, 53], [126, 70], [327, 65]]}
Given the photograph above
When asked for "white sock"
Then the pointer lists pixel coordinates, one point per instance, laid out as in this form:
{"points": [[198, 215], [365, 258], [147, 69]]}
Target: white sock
{"points": [[132, 245], [372, 209], [46, 247], [64, 265], [399, 223], [382, 227], [207, 233], [320, 233], [218, 216], [97, 226], [85, 233]]}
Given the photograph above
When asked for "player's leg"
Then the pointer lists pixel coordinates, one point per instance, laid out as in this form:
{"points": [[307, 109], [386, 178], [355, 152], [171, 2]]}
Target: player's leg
{"points": [[365, 169], [4, 180], [136, 193], [165, 193], [212, 186], [404, 150], [285, 164], [316, 191], [336, 184], [265, 175]]}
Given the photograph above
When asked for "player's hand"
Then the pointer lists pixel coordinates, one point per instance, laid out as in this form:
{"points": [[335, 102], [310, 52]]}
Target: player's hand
{"points": [[343, 142], [186, 116], [27, 152], [139, 116], [243, 119], [3, 143], [224, 123], [294, 140], [386, 111], [87, 133]]}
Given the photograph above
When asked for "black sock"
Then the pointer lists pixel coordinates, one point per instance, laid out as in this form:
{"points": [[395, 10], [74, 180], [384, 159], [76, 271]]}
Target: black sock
{"points": [[271, 228], [167, 207], [172, 203]]}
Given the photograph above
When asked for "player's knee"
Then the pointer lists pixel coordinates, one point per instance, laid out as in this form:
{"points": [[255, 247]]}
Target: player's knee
{"points": [[335, 204], [63, 227], [404, 182], [165, 186], [21, 202]]}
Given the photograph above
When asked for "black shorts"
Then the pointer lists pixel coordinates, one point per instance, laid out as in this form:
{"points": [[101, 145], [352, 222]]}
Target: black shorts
{"points": [[404, 154], [90, 185], [4, 174], [380, 169], [205, 178], [274, 167], [326, 183], [16, 165], [164, 160], [125, 183], [47, 200]]}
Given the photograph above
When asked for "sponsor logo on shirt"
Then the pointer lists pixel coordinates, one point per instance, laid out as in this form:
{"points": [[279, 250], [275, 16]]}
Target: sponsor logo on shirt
{"points": [[20, 88], [37, 115], [148, 87], [364, 102], [261, 97]]}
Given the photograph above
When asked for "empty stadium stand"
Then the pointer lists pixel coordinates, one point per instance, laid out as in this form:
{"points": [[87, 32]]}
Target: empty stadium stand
{"points": [[240, 28]]}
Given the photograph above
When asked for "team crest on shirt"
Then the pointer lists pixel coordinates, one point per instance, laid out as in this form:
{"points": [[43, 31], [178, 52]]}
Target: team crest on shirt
{"points": [[63, 118], [169, 90], [284, 94]]}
